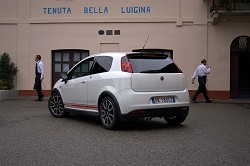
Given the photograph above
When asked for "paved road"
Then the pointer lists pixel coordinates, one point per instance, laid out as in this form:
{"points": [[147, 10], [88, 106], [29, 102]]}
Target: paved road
{"points": [[213, 134]]}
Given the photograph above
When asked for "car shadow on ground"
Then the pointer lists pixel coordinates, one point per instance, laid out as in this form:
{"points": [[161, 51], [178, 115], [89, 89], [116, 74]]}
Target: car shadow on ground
{"points": [[139, 124], [144, 125]]}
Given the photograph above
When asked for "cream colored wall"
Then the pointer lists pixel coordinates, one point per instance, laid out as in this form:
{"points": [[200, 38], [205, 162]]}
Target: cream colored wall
{"points": [[85, 36], [8, 42], [8, 29], [80, 31], [220, 38], [8, 10], [181, 25], [170, 9]]}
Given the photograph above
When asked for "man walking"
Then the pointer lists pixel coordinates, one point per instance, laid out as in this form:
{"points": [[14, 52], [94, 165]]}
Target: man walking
{"points": [[201, 72], [39, 77]]}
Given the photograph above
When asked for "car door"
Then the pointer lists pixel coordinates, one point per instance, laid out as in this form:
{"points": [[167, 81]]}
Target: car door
{"points": [[74, 92], [99, 79]]}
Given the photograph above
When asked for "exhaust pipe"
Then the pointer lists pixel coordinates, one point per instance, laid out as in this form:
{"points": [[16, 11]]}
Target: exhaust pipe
{"points": [[148, 118]]}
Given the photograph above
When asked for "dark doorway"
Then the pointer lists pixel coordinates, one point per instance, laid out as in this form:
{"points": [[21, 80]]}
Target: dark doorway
{"points": [[240, 68], [63, 60], [244, 75]]}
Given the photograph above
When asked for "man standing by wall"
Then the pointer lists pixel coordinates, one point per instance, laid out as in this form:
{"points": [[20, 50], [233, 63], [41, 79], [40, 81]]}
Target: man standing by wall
{"points": [[201, 72], [39, 77]]}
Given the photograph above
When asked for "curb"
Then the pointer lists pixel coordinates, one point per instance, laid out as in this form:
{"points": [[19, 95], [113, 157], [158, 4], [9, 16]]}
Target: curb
{"points": [[8, 94]]}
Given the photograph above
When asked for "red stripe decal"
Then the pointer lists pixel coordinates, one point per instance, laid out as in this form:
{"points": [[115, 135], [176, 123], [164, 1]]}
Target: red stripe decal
{"points": [[80, 106]]}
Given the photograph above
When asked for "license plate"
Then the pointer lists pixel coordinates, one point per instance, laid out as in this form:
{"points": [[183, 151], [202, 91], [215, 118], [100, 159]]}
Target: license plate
{"points": [[166, 99]]}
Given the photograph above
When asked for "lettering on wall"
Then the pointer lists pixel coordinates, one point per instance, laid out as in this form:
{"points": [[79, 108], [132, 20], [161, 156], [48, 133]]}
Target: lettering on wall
{"points": [[95, 10], [136, 9], [92, 10], [57, 10]]}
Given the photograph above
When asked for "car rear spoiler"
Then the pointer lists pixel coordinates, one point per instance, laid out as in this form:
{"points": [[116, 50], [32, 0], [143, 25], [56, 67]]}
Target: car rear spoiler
{"points": [[157, 54]]}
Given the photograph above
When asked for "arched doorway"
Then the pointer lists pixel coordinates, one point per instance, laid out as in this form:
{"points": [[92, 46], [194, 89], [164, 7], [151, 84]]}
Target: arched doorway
{"points": [[240, 67]]}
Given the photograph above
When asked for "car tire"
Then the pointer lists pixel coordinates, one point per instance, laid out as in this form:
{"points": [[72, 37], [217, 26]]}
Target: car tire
{"points": [[175, 119], [108, 113], [56, 106]]}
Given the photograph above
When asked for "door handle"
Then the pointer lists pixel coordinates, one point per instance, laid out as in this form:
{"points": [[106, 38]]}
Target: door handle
{"points": [[84, 81]]}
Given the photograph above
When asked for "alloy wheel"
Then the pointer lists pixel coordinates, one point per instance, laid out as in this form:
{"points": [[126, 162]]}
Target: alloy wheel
{"points": [[56, 106], [108, 114]]}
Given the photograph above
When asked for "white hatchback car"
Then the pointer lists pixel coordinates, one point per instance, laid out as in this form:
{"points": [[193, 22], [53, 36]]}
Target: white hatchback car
{"points": [[116, 86]]}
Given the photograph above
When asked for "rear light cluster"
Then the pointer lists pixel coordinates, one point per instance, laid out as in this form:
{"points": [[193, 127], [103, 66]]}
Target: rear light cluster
{"points": [[126, 65]]}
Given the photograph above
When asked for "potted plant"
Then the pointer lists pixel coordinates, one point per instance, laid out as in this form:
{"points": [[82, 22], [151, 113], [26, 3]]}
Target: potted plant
{"points": [[221, 5], [224, 5], [7, 72]]}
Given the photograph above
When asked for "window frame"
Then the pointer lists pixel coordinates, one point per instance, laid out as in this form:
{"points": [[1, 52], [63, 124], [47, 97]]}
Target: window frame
{"points": [[71, 72], [101, 66]]}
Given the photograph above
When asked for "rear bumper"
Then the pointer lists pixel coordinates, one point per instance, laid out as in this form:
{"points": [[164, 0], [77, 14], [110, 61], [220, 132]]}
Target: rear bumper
{"points": [[159, 112], [130, 101]]}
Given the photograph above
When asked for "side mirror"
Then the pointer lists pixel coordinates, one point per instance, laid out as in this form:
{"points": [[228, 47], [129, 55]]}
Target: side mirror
{"points": [[64, 77]]}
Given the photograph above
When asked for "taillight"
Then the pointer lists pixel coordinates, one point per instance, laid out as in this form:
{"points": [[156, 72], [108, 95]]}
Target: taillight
{"points": [[126, 65]]}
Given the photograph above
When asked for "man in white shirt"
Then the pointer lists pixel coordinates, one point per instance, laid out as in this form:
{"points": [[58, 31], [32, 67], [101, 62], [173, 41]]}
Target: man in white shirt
{"points": [[201, 72], [39, 77]]}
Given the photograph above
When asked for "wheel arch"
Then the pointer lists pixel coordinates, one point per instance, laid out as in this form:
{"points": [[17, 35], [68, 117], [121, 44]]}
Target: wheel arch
{"points": [[60, 104], [109, 94], [55, 91]]}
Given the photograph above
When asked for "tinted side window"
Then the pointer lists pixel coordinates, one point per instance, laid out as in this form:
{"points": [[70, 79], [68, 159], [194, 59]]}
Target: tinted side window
{"points": [[102, 64], [81, 69]]}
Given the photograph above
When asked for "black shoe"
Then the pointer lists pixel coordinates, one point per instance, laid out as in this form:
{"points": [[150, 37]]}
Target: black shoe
{"points": [[39, 99], [194, 101], [209, 101]]}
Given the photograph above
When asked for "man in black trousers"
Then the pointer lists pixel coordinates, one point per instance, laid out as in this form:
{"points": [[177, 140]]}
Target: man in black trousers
{"points": [[201, 72], [39, 77]]}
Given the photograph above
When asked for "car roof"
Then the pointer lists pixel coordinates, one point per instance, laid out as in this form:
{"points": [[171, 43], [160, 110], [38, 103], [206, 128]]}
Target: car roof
{"points": [[120, 54], [116, 56]]}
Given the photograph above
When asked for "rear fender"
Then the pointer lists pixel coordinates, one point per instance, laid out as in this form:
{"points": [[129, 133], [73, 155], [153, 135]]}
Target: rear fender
{"points": [[105, 94]]}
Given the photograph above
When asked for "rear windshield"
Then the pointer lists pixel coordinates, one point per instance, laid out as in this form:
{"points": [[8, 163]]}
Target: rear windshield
{"points": [[153, 64]]}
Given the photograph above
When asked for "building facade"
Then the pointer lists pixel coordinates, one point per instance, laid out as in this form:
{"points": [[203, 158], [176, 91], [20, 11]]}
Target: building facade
{"points": [[65, 31]]}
